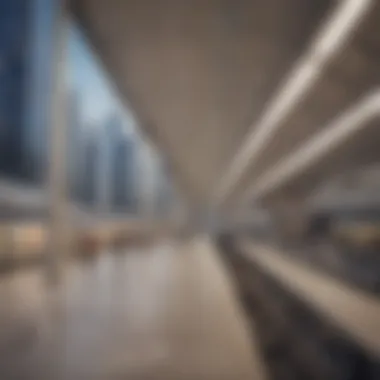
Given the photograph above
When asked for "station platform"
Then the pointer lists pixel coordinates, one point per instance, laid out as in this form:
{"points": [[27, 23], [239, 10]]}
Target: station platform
{"points": [[164, 312]]}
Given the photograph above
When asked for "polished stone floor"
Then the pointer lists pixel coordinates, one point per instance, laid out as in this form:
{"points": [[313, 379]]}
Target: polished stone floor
{"points": [[165, 312]]}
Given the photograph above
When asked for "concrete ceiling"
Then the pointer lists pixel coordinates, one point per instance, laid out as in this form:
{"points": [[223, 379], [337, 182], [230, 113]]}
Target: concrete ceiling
{"points": [[199, 73], [352, 75], [358, 150]]}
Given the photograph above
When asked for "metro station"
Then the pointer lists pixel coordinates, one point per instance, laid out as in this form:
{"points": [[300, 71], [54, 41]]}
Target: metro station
{"points": [[189, 189]]}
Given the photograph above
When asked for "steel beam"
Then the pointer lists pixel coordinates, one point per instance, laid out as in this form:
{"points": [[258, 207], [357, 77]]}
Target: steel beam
{"points": [[347, 126], [327, 43]]}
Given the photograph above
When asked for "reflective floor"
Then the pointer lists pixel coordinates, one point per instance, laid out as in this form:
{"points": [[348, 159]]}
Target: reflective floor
{"points": [[167, 312]]}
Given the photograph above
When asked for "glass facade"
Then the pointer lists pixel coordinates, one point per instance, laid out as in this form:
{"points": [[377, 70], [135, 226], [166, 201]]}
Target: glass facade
{"points": [[103, 149], [38, 106], [90, 169], [14, 70], [75, 144], [121, 148], [25, 61], [164, 189], [124, 176]]}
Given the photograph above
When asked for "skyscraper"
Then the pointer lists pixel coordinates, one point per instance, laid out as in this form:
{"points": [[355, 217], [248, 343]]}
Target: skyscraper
{"points": [[123, 172], [14, 25], [25, 67], [147, 160], [109, 134], [75, 143], [122, 166], [164, 189], [89, 177], [131, 174]]}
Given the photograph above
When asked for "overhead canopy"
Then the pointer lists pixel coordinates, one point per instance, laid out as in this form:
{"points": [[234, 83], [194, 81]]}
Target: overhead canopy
{"points": [[346, 81], [199, 73]]}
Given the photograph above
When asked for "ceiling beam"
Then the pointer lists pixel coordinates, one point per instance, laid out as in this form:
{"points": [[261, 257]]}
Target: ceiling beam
{"points": [[329, 40], [333, 136]]}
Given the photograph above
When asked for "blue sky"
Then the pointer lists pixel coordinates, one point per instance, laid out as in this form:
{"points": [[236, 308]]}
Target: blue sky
{"points": [[87, 77]]}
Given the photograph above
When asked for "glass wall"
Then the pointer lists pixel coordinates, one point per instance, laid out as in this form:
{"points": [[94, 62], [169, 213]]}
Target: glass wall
{"points": [[15, 23], [97, 118], [25, 64], [110, 168]]}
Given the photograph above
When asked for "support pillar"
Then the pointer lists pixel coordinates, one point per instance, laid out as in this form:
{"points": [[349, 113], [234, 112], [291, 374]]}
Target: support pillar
{"points": [[103, 177], [59, 237]]}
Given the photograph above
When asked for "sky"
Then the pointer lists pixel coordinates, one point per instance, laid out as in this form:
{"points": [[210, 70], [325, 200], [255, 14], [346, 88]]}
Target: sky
{"points": [[99, 100], [87, 77]]}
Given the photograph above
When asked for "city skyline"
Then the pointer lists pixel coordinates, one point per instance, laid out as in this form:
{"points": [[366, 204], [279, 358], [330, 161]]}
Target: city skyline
{"points": [[110, 163], [87, 77]]}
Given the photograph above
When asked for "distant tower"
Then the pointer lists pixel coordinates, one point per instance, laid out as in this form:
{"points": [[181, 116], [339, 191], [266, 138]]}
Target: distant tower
{"points": [[110, 133], [146, 167], [117, 168], [75, 144], [91, 159], [164, 189], [123, 175], [25, 67], [131, 174]]}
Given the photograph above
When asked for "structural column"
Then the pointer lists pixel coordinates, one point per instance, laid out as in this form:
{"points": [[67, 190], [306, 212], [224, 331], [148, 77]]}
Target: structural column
{"points": [[57, 178], [103, 177]]}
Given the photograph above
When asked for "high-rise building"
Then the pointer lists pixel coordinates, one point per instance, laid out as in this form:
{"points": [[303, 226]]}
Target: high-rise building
{"points": [[122, 160], [110, 132], [147, 170], [91, 159], [164, 189], [25, 66], [131, 175], [75, 144], [123, 173]]}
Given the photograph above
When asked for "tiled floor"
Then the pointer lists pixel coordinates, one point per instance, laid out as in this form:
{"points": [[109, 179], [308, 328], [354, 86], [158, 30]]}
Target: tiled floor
{"points": [[161, 313]]}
